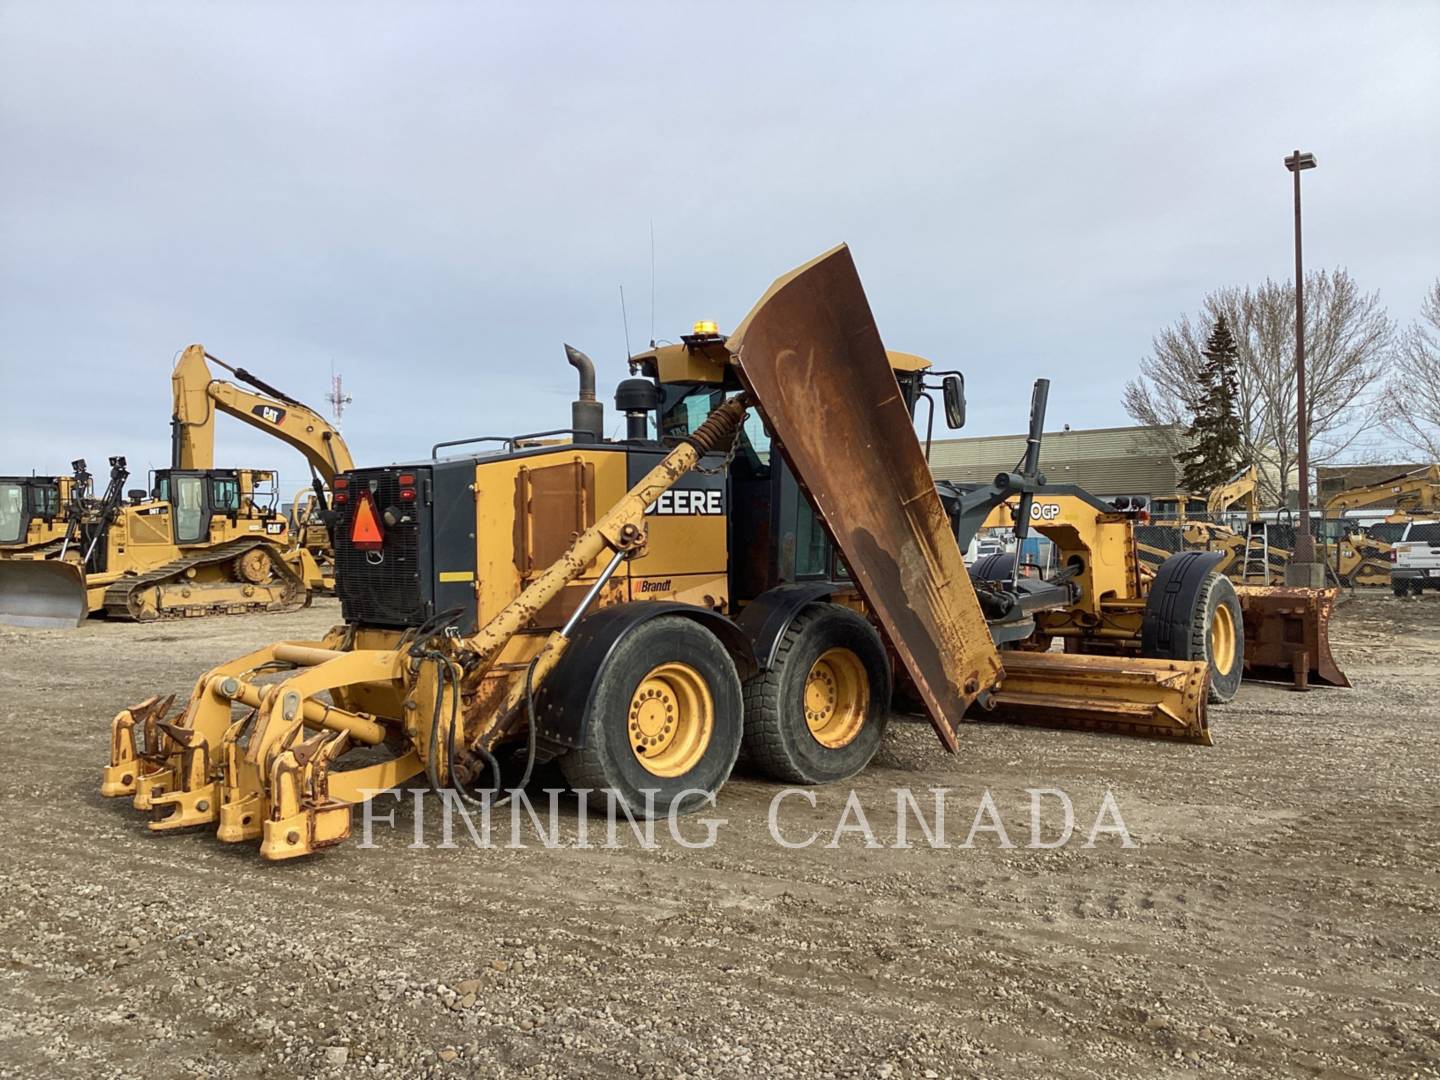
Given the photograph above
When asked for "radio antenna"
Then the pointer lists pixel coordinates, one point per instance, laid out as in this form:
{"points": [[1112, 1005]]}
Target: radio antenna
{"points": [[626, 320], [652, 283]]}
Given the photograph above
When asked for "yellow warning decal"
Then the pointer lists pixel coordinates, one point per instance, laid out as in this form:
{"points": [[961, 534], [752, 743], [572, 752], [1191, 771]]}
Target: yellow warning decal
{"points": [[457, 575]]}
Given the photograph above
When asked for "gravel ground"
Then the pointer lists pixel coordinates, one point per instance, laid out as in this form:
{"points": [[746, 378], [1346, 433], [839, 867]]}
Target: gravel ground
{"points": [[1276, 914]]}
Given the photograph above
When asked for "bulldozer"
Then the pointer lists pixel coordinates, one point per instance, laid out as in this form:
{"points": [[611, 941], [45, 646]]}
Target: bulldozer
{"points": [[36, 511], [763, 561], [201, 540]]}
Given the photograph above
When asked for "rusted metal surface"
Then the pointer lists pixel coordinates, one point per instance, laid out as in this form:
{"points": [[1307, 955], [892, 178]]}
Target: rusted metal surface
{"points": [[1131, 696], [1284, 624], [810, 355]]}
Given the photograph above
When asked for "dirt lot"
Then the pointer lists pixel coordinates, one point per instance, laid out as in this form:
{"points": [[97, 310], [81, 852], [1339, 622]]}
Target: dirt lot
{"points": [[1276, 916]]}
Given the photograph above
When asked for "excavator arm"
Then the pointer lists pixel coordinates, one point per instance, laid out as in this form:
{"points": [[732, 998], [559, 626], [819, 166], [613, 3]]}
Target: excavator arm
{"points": [[1243, 485], [198, 396], [1412, 491]]}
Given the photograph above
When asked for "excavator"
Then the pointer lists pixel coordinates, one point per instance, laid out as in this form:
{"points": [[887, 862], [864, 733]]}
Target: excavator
{"points": [[762, 560], [1355, 556], [1362, 556], [198, 396], [202, 540]]}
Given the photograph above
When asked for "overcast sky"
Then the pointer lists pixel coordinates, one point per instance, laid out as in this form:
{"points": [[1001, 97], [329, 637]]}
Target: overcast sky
{"points": [[433, 197]]}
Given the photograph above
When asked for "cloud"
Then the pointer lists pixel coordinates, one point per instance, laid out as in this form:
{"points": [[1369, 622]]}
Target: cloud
{"points": [[433, 197]]}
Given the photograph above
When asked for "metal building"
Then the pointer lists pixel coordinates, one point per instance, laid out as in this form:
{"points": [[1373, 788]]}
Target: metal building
{"points": [[1107, 462]]}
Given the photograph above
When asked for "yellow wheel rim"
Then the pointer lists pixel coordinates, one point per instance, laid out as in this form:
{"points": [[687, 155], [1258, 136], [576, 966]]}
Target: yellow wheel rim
{"points": [[837, 697], [1222, 640], [672, 716]]}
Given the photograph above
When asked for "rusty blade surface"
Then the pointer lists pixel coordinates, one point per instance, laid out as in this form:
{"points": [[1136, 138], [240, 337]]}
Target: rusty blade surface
{"points": [[1282, 623], [811, 357]]}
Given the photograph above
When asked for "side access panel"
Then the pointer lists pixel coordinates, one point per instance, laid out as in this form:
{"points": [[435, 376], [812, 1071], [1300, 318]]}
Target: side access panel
{"points": [[810, 355]]}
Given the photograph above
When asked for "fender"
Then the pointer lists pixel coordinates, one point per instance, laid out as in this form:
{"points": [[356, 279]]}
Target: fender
{"points": [[767, 617], [564, 700], [1166, 627]]}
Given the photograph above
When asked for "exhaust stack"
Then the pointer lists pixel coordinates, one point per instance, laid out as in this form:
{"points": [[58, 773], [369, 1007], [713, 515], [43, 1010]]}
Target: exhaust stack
{"points": [[587, 416]]}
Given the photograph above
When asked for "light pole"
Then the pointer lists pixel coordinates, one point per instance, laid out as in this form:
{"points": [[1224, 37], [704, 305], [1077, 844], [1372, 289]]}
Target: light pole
{"points": [[1302, 569]]}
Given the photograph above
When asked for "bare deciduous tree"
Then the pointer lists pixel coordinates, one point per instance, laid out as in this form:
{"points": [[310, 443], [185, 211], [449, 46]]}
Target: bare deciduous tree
{"points": [[1347, 338], [1412, 393]]}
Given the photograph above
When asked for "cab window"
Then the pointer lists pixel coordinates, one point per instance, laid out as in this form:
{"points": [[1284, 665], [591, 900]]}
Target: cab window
{"points": [[189, 507], [812, 548], [47, 500], [1386, 532], [225, 495], [1424, 534], [12, 512]]}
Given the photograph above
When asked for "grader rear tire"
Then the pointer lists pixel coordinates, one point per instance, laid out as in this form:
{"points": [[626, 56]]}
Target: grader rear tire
{"points": [[819, 713], [666, 717]]}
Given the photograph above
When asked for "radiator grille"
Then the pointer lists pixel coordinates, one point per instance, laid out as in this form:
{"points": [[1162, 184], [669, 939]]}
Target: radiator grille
{"points": [[388, 587]]}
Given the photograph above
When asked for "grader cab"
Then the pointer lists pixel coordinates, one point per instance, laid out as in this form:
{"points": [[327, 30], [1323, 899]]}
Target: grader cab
{"points": [[761, 561]]}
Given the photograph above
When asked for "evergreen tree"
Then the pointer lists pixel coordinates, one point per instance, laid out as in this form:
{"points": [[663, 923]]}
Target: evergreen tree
{"points": [[1215, 443]]}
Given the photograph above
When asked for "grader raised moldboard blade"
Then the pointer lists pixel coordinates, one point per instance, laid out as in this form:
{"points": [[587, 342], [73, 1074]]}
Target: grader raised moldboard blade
{"points": [[43, 593], [811, 357], [1131, 696], [1284, 624]]}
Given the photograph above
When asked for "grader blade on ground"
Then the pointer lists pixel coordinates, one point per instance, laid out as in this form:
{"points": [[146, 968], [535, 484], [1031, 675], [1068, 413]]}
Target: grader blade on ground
{"points": [[44, 593], [812, 359], [1287, 629], [1130, 696]]}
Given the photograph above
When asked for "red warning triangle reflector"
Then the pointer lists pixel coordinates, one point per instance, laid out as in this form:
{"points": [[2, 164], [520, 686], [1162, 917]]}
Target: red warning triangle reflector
{"points": [[365, 531]]}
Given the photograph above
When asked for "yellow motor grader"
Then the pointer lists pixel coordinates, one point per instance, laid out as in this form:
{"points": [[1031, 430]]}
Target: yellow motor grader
{"points": [[202, 540], [760, 561], [1183, 607]]}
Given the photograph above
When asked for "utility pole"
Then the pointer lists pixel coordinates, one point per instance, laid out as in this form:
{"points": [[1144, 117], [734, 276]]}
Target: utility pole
{"points": [[1303, 568]]}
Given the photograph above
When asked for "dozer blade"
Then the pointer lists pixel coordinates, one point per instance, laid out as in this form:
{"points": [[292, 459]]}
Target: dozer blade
{"points": [[44, 593], [1131, 696], [812, 359], [1285, 626]]}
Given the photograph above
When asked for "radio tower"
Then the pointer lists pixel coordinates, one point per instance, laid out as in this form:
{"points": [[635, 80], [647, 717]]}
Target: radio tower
{"points": [[337, 398]]}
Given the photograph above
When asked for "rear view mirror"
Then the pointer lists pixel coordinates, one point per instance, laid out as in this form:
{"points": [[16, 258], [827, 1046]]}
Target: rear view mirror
{"points": [[954, 390]]}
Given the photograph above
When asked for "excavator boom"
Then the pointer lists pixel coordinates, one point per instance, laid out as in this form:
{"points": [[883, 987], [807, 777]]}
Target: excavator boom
{"points": [[198, 395]]}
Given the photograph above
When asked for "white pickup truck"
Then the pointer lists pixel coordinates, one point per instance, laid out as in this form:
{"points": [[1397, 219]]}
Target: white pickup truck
{"points": [[1416, 558]]}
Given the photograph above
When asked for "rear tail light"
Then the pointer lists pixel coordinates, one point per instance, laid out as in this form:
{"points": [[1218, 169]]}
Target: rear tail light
{"points": [[340, 498], [1394, 555], [407, 494], [406, 479], [340, 483]]}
